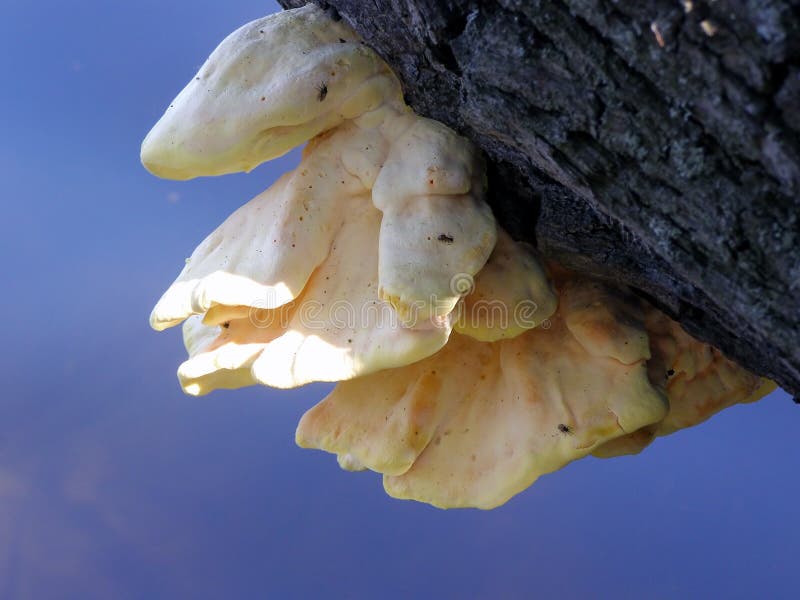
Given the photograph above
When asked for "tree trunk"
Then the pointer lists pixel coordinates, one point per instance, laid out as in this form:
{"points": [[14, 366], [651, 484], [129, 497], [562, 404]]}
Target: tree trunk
{"points": [[652, 142]]}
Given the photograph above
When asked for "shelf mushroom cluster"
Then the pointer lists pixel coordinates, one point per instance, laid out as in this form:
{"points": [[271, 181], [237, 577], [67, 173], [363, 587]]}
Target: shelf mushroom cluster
{"points": [[467, 367]]}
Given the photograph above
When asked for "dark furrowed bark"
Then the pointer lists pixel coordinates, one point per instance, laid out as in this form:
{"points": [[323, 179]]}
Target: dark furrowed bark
{"points": [[653, 142]]}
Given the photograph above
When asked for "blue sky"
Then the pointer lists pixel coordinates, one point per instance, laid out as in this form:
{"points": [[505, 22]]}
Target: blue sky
{"points": [[113, 484]]}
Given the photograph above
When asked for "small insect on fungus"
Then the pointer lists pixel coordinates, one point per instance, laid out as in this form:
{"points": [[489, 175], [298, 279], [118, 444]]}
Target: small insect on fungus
{"points": [[447, 239], [564, 428], [322, 91]]}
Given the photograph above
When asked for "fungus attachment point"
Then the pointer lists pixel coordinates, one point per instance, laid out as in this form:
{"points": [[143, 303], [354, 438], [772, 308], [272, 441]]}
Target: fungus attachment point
{"points": [[607, 322]]}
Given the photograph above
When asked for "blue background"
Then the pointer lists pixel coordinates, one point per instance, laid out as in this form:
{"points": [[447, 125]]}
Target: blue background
{"points": [[113, 484]]}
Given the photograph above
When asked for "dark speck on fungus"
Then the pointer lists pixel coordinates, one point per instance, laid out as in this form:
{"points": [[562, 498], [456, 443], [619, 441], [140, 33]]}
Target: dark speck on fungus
{"points": [[447, 239], [322, 91]]}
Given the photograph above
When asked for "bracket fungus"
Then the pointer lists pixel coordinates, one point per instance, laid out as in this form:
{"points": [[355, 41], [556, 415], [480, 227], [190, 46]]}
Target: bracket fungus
{"points": [[479, 422], [335, 329], [467, 368], [257, 97]]}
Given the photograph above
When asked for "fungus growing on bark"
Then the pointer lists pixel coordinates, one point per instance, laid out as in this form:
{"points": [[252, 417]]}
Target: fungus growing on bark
{"points": [[257, 95], [255, 98], [358, 265]]}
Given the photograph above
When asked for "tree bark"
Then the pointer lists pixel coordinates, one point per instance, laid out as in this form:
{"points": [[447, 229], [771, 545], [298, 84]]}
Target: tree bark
{"points": [[651, 142]]}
